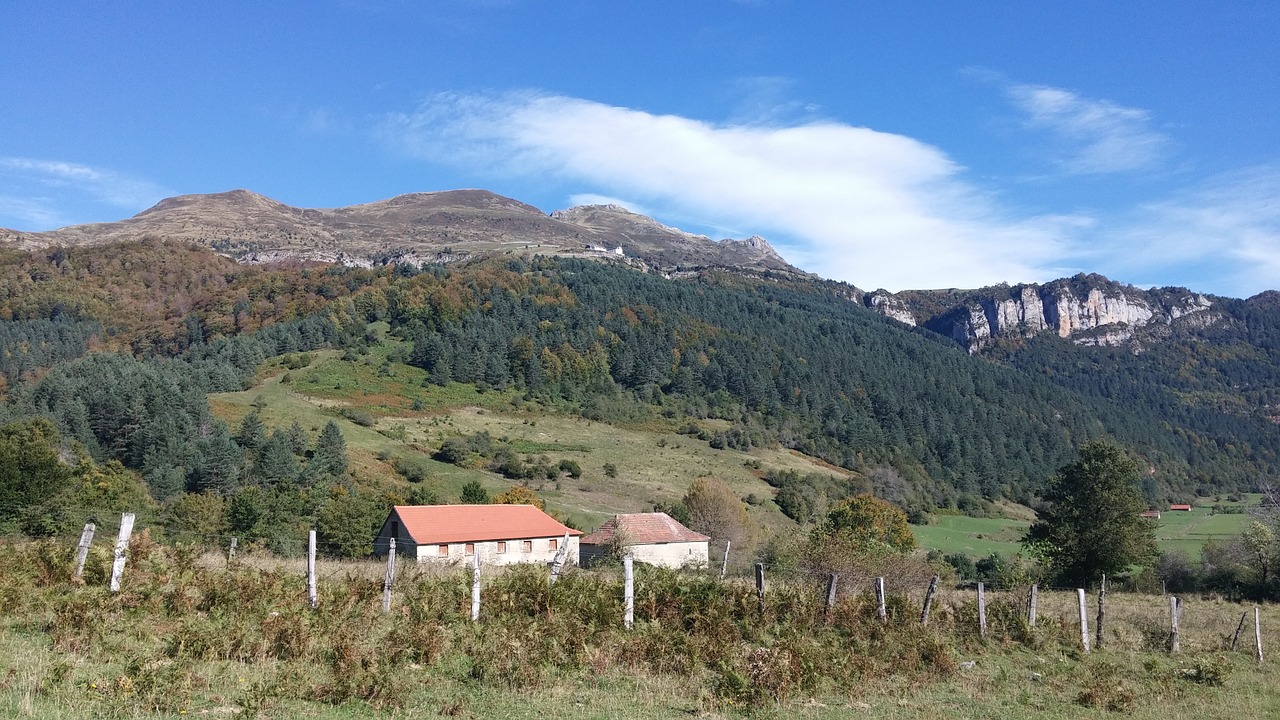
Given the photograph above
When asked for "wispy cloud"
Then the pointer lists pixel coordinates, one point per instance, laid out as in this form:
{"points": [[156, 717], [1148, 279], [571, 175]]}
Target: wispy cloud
{"points": [[1093, 136], [1224, 235], [852, 203], [42, 194]]}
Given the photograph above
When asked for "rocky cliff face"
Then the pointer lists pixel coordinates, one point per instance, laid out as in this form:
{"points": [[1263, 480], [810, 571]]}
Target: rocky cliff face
{"points": [[1088, 309]]}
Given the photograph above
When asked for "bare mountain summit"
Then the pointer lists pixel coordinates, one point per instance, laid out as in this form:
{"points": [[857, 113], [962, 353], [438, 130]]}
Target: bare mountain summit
{"points": [[416, 228]]}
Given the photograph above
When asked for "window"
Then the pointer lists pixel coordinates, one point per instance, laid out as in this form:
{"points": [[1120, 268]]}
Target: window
{"points": [[443, 551], [395, 529], [554, 543], [469, 549], [526, 546], [502, 546]]}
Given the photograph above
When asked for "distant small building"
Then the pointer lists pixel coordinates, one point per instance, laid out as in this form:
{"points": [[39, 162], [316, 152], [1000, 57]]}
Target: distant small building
{"points": [[501, 534], [652, 538], [1150, 514], [1184, 508]]}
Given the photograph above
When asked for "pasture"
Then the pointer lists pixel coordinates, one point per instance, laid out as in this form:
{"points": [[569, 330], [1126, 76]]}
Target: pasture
{"points": [[1184, 531], [191, 637]]}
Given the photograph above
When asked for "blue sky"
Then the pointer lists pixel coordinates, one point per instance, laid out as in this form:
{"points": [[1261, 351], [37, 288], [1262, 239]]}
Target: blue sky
{"points": [[907, 145]]}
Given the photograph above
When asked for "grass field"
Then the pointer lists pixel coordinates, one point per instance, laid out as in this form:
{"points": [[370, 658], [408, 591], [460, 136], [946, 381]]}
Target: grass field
{"points": [[978, 537]]}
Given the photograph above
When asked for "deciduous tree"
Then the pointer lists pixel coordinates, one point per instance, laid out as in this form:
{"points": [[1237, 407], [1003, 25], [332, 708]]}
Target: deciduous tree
{"points": [[1092, 524]]}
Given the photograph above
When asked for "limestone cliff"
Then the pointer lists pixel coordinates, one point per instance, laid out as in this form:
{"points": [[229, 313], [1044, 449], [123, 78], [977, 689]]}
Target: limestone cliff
{"points": [[1087, 309]]}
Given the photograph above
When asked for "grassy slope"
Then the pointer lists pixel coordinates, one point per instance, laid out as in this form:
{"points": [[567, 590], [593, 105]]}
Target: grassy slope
{"points": [[653, 462]]}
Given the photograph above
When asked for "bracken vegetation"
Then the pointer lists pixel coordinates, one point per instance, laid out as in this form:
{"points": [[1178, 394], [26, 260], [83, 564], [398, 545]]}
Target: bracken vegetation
{"points": [[190, 635]]}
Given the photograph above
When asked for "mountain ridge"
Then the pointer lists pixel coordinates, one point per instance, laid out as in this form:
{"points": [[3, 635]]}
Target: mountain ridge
{"points": [[417, 227]]}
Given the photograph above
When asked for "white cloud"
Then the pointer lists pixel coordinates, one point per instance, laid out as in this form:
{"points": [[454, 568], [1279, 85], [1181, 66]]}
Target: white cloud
{"points": [[873, 208], [1095, 136], [1223, 235], [103, 185], [30, 212], [43, 194]]}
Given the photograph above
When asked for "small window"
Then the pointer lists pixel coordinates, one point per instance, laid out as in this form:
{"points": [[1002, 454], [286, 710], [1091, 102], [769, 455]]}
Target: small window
{"points": [[395, 529], [443, 550], [470, 549], [554, 543], [526, 546], [502, 546]]}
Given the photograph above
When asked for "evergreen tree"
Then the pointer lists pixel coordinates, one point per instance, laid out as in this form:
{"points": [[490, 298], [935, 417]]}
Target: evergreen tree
{"points": [[1092, 525], [330, 454], [252, 434], [218, 462], [297, 438], [30, 468], [276, 463], [473, 493]]}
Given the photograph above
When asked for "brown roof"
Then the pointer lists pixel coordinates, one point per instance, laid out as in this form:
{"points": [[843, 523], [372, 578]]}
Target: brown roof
{"points": [[644, 529], [429, 524]]}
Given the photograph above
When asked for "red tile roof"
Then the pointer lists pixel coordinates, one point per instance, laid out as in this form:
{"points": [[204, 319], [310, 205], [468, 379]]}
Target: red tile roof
{"points": [[430, 524], [644, 529], [1179, 507]]}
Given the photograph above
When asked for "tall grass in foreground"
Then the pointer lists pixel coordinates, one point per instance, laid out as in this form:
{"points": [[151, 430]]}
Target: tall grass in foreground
{"points": [[183, 628]]}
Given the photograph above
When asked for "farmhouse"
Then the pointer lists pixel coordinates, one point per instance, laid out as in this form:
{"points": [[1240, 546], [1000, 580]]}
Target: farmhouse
{"points": [[653, 538], [1183, 507], [501, 534]]}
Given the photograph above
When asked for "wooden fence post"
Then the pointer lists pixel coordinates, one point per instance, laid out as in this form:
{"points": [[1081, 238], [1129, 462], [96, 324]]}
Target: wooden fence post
{"points": [[1175, 639], [760, 587], [1235, 639], [724, 565], [928, 600], [1031, 606], [231, 551], [628, 592], [122, 550], [832, 581], [1257, 632], [390, 579], [312, 598], [982, 610], [562, 553], [1084, 620], [881, 611], [1102, 612], [475, 586], [82, 550]]}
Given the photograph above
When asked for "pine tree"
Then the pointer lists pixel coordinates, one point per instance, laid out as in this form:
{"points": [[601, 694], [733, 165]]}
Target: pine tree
{"points": [[330, 454], [252, 434]]}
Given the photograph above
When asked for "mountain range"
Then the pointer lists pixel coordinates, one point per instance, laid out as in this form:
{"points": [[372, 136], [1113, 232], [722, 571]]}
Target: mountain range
{"points": [[977, 392], [414, 228]]}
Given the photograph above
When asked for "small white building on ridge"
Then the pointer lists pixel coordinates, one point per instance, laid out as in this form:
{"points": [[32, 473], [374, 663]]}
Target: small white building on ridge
{"points": [[652, 538], [501, 534]]}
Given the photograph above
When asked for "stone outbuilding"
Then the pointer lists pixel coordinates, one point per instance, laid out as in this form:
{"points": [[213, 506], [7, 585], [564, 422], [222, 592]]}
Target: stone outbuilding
{"points": [[653, 538], [501, 534]]}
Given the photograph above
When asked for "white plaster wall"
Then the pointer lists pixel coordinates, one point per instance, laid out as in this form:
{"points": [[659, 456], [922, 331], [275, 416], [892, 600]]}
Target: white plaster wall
{"points": [[670, 555], [541, 552]]}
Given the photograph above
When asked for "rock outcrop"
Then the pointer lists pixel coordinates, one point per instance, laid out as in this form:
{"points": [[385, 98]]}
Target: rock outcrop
{"points": [[1087, 309]]}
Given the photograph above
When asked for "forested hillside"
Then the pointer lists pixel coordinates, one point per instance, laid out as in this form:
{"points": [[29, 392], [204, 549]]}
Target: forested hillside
{"points": [[773, 360]]}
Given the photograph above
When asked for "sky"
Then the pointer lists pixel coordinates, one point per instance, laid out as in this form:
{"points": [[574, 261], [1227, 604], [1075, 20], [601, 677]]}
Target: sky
{"points": [[890, 145]]}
